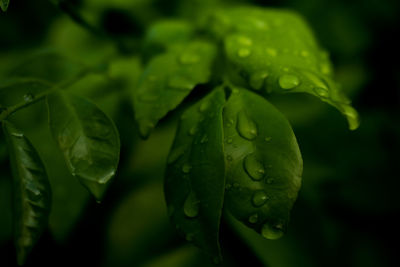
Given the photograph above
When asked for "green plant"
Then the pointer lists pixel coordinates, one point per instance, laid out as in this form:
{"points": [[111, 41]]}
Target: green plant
{"points": [[233, 150]]}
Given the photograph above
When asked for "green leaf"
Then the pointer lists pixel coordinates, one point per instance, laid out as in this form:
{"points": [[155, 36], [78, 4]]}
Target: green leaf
{"points": [[195, 176], [273, 50], [264, 164], [31, 188], [168, 79], [168, 33], [88, 139], [4, 4]]}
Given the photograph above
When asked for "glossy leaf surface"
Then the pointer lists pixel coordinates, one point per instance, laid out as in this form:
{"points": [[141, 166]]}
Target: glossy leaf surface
{"points": [[264, 164], [4, 4], [31, 189], [168, 79], [195, 176], [274, 50], [88, 139]]}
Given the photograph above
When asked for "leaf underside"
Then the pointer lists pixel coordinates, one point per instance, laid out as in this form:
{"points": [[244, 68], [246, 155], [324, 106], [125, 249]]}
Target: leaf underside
{"points": [[88, 139], [195, 175], [32, 193]]}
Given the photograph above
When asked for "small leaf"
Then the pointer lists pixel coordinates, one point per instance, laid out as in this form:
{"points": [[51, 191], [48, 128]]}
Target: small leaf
{"points": [[4, 4], [195, 176], [273, 50], [88, 139], [168, 79], [31, 188], [264, 164]]}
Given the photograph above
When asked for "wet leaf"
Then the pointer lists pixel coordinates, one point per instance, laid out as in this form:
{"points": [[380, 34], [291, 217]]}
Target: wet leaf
{"points": [[31, 190], [272, 50], [88, 139], [195, 176], [4, 4], [168, 79], [264, 164]]}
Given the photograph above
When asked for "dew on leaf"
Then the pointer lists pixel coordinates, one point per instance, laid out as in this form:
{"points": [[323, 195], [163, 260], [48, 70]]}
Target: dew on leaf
{"points": [[191, 206], [180, 83], [253, 167], [259, 198], [244, 40], [272, 232], [321, 91], [253, 218], [271, 51], [246, 127], [28, 97], [186, 168], [257, 79], [244, 52], [288, 81]]}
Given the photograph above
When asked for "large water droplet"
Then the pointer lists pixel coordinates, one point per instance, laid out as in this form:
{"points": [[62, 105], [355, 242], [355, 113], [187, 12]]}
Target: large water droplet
{"points": [[246, 127], [191, 206], [321, 91], [288, 81], [28, 97], [253, 167], [186, 168], [244, 52], [272, 232], [180, 83], [259, 198], [257, 79], [253, 218]]}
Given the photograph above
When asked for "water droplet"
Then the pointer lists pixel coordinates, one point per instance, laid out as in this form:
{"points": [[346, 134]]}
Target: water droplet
{"points": [[259, 198], [229, 140], [244, 40], [271, 51], [321, 91], [204, 106], [180, 83], [246, 127], [229, 158], [257, 79], [175, 154], [28, 97], [19, 135], [244, 52], [193, 130], [268, 138], [253, 218], [186, 168], [304, 53], [272, 232], [253, 167], [352, 117], [204, 139], [189, 58], [191, 206], [288, 81]]}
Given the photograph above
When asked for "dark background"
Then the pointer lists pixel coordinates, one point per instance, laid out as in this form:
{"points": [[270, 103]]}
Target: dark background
{"points": [[347, 207]]}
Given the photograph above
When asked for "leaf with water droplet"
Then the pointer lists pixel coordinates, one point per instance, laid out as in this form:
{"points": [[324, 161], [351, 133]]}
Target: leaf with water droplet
{"points": [[168, 82], [32, 193], [4, 4], [255, 161], [195, 181], [287, 50], [87, 138]]}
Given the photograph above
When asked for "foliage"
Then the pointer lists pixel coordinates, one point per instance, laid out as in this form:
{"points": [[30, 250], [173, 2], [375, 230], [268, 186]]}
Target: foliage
{"points": [[208, 93]]}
